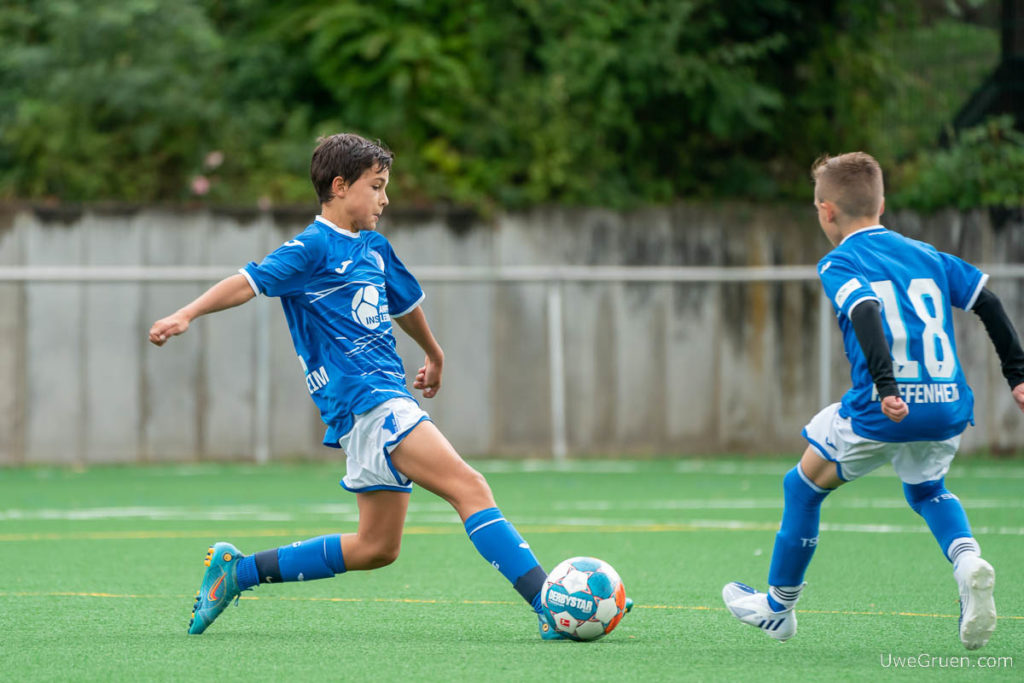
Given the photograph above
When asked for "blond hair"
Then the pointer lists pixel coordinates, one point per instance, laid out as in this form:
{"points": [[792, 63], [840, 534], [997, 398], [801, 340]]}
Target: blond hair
{"points": [[853, 182]]}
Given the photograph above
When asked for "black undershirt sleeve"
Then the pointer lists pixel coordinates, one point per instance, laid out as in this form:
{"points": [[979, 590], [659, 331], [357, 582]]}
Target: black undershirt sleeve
{"points": [[1000, 330], [867, 324]]}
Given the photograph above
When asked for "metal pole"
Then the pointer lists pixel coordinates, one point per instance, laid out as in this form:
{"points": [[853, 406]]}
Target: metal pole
{"points": [[825, 317], [261, 407], [556, 365], [261, 403]]}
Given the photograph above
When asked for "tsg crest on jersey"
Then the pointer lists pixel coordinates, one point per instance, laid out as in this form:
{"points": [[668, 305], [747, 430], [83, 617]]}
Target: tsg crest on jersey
{"points": [[917, 286], [339, 291]]}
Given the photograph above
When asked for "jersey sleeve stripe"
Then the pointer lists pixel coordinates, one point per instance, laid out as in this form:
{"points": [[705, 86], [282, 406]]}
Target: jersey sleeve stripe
{"points": [[409, 310], [252, 283], [859, 301], [977, 291]]}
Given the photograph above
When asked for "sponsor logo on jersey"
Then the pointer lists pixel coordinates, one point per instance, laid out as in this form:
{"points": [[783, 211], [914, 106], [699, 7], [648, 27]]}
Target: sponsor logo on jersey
{"points": [[367, 308], [317, 379], [378, 258]]}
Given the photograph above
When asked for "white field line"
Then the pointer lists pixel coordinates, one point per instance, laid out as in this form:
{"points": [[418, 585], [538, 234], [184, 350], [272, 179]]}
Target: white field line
{"points": [[710, 467], [441, 512], [731, 468], [429, 514]]}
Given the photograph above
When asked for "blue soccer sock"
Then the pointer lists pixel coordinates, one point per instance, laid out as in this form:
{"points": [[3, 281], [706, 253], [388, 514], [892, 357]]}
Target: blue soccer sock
{"points": [[796, 540], [316, 558], [943, 513], [500, 544]]}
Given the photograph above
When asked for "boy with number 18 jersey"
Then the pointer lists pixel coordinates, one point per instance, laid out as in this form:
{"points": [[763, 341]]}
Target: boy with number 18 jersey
{"points": [[909, 403]]}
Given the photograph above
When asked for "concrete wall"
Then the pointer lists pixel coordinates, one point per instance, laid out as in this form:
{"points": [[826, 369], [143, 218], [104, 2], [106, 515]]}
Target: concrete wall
{"points": [[650, 368]]}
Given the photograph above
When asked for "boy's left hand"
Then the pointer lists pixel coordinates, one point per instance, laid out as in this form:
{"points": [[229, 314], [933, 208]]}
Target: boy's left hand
{"points": [[894, 408], [428, 378], [1018, 395]]}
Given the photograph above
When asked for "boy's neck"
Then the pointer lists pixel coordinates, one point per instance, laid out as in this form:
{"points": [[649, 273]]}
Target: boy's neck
{"points": [[857, 225], [337, 217]]}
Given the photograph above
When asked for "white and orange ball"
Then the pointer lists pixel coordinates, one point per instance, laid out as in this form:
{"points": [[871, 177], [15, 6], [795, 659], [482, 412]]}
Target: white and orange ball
{"points": [[586, 598]]}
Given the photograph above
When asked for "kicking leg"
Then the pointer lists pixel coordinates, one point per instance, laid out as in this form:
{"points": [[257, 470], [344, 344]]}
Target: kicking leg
{"points": [[975, 577], [426, 457]]}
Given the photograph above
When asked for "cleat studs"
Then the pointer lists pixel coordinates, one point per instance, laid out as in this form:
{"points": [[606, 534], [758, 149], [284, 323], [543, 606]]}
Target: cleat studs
{"points": [[227, 557], [207, 562]]}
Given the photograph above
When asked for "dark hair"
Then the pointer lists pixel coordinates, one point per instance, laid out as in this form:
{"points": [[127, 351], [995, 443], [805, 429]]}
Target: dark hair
{"points": [[346, 155], [852, 181]]}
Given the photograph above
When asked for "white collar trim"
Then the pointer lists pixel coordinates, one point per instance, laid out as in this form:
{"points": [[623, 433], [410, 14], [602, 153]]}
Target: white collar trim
{"points": [[347, 233], [870, 227]]}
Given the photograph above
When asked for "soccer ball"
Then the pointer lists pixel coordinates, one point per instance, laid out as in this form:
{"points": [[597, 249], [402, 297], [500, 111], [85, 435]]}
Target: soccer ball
{"points": [[364, 307], [586, 598]]}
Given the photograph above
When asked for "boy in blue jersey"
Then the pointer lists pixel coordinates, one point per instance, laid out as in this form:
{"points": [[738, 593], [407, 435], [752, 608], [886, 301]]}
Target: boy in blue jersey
{"points": [[341, 285], [909, 403]]}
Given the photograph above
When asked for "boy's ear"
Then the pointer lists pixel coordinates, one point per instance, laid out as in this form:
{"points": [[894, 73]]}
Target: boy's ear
{"points": [[830, 210], [338, 186], [881, 209]]}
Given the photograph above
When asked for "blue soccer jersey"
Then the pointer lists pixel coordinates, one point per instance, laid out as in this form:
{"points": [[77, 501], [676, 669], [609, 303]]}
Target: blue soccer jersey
{"points": [[339, 290], [916, 286]]}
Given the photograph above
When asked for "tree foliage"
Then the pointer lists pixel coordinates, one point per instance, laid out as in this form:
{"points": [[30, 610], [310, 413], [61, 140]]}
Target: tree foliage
{"points": [[489, 104]]}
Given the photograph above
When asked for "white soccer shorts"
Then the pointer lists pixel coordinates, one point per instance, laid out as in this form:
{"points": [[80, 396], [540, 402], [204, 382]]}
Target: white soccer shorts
{"points": [[368, 446], [914, 461]]}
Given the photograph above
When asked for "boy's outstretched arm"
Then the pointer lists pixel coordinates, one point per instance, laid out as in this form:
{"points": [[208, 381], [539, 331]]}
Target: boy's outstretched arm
{"points": [[229, 292], [1004, 337], [428, 378]]}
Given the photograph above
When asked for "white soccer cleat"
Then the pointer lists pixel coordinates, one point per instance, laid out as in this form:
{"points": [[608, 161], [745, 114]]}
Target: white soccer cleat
{"points": [[976, 579], [751, 607]]}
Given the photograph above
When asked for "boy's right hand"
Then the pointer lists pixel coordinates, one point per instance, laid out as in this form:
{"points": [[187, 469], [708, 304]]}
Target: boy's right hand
{"points": [[168, 327]]}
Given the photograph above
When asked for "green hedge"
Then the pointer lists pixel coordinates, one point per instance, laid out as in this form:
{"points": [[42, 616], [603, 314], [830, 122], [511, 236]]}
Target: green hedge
{"points": [[487, 104]]}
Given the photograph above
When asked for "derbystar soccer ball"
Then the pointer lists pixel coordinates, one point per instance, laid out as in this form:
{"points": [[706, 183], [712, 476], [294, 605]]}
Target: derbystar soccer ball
{"points": [[585, 596]]}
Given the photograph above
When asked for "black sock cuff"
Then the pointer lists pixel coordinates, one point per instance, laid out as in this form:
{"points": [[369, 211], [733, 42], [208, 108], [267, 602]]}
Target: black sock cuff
{"points": [[529, 584], [267, 566]]}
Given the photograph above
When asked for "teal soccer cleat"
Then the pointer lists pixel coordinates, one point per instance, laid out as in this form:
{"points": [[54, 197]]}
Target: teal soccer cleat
{"points": [[219, 587], [547, 627]]}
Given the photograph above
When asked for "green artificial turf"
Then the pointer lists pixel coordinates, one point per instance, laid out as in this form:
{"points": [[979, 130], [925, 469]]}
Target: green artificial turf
{"points": [[99, 568]]}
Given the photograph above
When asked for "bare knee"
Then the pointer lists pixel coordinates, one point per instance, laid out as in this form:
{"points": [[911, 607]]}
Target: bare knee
{"points": [[819, 470], [371, 553], [471, 493], [381, 555]]}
